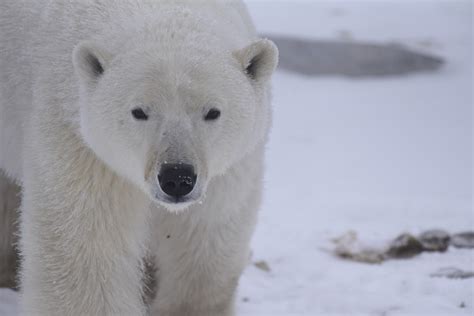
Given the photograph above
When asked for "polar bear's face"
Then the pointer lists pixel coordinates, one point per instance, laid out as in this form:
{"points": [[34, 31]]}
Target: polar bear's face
{"points": [[169, 122]]}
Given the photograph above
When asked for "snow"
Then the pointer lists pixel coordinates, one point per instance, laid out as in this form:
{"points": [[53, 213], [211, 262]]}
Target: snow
{"points": [[377, 156], [8, 302]]}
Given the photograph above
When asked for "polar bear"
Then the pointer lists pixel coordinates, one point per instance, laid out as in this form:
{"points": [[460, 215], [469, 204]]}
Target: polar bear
{"points": [[136, 129]]}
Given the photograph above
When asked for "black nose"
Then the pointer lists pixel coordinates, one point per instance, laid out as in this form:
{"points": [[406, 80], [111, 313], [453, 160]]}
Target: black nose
{"points": [[177, 180]]}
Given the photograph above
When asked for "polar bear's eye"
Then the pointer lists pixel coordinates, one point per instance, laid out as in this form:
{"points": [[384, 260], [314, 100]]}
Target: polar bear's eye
{"points": [[212, 115], [139, 114]]}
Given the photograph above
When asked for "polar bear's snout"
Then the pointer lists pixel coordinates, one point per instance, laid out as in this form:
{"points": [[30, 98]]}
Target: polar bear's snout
{"points": [[177, 180]]}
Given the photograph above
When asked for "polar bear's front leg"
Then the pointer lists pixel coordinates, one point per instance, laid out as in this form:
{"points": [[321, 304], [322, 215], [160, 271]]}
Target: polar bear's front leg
{"points": [[82, 235], [200, 257], [196, 284]]}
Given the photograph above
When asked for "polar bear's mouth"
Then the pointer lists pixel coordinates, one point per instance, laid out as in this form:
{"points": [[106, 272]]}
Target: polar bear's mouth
{"points": [[176, 204], [181, 200]]}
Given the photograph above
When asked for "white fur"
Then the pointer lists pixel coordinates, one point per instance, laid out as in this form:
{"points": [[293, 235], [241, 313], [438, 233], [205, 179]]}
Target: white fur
{"points": [[92, 208]]}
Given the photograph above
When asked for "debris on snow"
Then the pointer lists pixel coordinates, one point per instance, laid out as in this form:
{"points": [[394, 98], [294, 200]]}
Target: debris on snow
{"points": [[349, 247], [405, 246], [463, 240], [453, 273], [262, 265], [435, 240]]}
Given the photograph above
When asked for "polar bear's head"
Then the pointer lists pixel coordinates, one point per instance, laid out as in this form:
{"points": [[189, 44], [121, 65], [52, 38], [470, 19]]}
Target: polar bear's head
{"points": [[170, 121]]}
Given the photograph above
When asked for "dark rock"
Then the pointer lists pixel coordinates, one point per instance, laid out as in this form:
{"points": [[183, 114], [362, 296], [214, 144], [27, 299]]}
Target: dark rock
{"points": [[348, 58], [434, 240], [463, 240], [452, 273], [405, 246]]}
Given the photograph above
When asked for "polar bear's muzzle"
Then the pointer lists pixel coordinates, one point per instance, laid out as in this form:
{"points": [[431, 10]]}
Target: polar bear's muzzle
{"points": [[177, 173]]}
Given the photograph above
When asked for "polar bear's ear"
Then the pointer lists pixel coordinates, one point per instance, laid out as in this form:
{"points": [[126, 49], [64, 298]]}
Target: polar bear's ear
{"points": [[89, 61], [259, 60]]}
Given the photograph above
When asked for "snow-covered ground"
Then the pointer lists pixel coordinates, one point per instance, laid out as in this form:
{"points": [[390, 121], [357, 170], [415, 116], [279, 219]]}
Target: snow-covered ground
{"points": [[378, 156]]}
